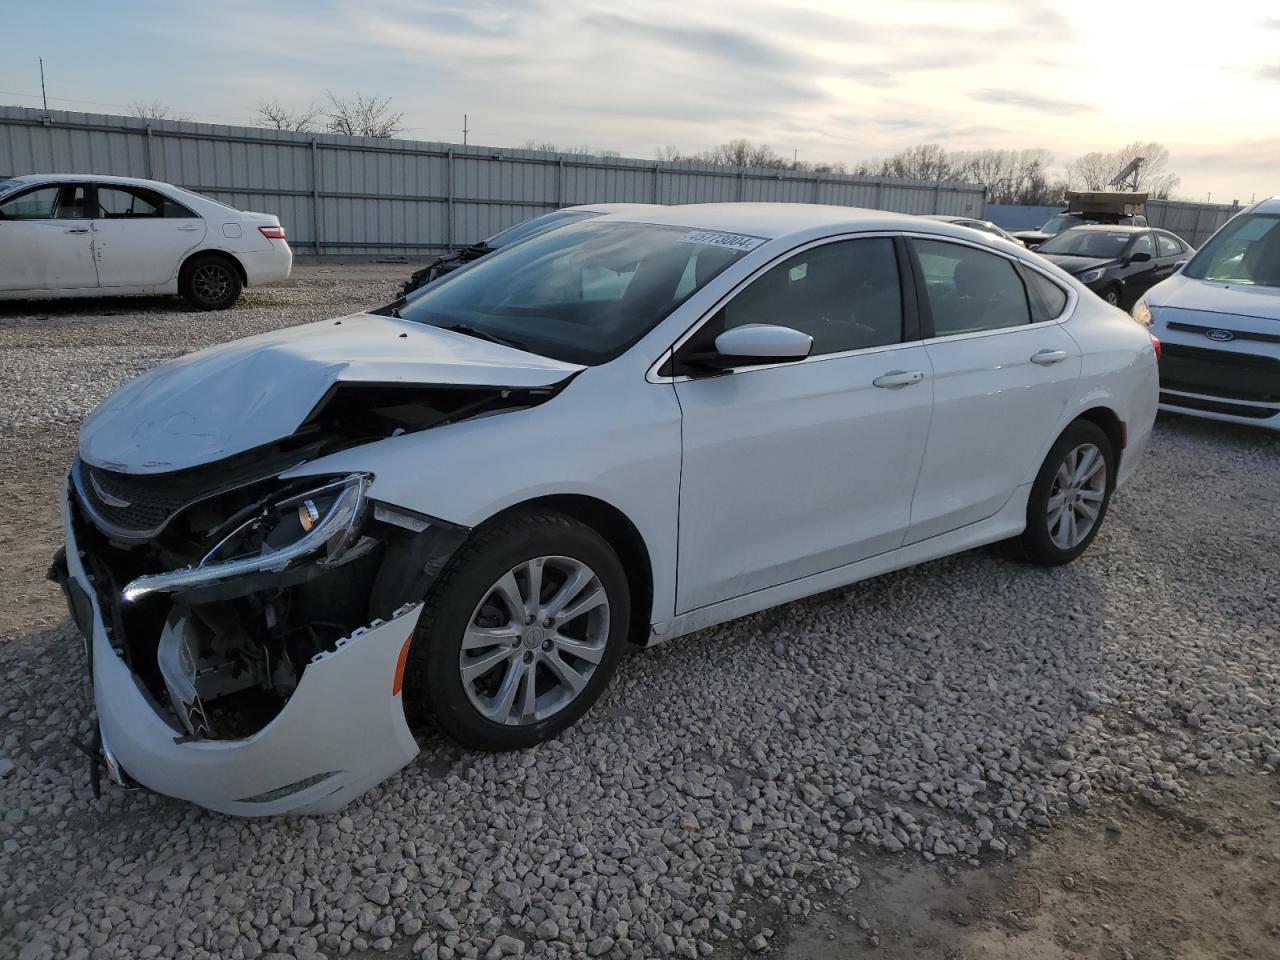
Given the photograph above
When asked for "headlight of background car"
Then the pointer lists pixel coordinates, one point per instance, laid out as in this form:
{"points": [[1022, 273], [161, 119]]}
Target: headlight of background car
{"points": [[324, 520], [1091, 276], [1141, 312]]}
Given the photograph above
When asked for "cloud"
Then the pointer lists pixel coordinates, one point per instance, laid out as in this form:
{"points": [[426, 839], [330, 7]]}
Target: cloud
{"points": [[1026, 101], [1270, 73]]}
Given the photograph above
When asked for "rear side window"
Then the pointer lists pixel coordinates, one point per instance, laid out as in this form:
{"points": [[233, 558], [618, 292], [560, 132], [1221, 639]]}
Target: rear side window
{"points": [[846, 295], [1048, 300], [970, 290], [129, 203], [1169, 247]]}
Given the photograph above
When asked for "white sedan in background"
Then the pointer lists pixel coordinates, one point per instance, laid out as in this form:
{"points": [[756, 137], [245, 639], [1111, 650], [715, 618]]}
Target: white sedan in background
{"points": [[470, 503], [74, 235]]}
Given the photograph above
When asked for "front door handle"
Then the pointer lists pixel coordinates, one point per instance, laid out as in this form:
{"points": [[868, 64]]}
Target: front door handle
{"points": [[77, 229], [1047, 358], [898, 378]]}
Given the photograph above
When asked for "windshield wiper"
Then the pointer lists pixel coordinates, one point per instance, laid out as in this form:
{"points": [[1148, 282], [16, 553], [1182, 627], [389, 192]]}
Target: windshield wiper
{"points": [[470, 331]]}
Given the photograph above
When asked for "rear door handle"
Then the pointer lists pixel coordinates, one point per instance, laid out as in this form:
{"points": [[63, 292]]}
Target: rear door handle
{"points": [[898, 378], [189, 228], [1049, 357], [77, 229]]}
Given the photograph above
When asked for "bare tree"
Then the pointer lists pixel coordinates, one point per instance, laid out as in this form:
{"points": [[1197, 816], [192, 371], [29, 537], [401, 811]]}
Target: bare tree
{"points": [[546, 146], [275, 115], [154, 110], [1096, 170], [362, 116]]}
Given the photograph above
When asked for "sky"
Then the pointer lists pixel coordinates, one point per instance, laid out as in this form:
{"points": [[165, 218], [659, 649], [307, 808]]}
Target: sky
{"points": [[848, 80]]}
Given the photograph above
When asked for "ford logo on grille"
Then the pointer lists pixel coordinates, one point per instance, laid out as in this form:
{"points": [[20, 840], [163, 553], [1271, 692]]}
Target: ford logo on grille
{"points": [[1221, 336]]}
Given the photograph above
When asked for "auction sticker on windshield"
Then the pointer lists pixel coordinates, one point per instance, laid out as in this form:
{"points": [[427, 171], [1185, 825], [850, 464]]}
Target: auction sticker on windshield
{"points": [[733, 241]]}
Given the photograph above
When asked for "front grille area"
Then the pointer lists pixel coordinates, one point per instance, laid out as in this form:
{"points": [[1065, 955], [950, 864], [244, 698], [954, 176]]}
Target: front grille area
{"points": [[1220, 373], [1217, 406], [149, 499]]}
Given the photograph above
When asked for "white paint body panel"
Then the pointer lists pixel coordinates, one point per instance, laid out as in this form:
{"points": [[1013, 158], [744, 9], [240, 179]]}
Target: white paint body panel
{"points": [[748, 489], [40, 259]]}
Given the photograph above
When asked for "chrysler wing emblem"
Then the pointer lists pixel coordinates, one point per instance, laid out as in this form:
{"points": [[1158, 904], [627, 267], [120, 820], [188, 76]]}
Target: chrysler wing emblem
{"points": [[108, 499]]}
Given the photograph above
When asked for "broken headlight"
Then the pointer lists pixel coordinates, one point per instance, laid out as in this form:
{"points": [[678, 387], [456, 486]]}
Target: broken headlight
{"points": [[323, 521]]}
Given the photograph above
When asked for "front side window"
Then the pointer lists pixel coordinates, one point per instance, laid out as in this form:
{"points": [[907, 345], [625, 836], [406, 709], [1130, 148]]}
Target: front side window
{"points": [[1099, 244], [118, 203], [1144, 244], [970, 290], [1169, 246], [46, 203], [583, 293], [1246, 250], [846, 295]]}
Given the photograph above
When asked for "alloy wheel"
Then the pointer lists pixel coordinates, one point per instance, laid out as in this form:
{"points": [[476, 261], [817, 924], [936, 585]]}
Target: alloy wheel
{"points": [[1076, 497], [534, 640], [211, 282]]}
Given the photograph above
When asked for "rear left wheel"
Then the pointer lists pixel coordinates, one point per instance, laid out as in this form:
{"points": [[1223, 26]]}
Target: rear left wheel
{"points": [[1070, 495], [209, 282]]}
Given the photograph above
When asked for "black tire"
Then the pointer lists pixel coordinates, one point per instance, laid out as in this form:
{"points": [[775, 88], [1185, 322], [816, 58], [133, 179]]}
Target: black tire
{"points": [[209, 282], [1037, 540], [433, 681], [1112, 296]]}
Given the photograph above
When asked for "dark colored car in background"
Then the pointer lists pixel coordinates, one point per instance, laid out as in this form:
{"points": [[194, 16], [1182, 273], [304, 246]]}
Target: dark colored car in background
{"points": [[1118, 263], [1066, 221], [448, 262]]}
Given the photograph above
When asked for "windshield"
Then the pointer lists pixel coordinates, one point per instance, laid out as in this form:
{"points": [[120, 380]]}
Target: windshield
{"points": [[1059, 223], [582, 294], [1246, 250], [531, 228], [1101, 245]]}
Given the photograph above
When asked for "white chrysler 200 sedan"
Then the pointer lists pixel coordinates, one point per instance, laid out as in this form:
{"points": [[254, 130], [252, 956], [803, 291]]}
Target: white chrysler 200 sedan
{"points": [[283, 549], [75, 235]]}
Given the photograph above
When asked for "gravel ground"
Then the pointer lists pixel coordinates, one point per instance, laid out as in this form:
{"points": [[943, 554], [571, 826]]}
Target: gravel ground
{"points": [[728, 786]]}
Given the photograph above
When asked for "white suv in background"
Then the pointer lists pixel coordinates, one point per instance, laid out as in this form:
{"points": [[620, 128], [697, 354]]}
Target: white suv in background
{"points": [[70, 235], [1219, 323]]}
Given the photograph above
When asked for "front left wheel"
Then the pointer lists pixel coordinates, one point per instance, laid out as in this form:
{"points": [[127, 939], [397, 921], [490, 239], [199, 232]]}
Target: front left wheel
{"points": [[522, 632]]}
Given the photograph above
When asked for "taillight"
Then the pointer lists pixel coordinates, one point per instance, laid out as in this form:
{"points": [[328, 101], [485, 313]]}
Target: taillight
{"points": [[272, 232], [1155, 342]]}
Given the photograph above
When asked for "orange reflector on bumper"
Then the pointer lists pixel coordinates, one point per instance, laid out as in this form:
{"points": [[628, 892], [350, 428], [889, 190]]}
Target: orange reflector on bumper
{"points": [[397, 682]]}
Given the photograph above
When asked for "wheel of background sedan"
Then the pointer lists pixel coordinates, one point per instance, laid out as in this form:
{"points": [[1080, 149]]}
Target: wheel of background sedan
{"points": [[209, 282], [1112, 296], [522, 632], [1070, 495]]}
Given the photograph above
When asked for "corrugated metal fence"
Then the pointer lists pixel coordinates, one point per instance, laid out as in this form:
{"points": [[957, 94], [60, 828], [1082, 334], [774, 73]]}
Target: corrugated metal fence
{"points": [[363, 195]]}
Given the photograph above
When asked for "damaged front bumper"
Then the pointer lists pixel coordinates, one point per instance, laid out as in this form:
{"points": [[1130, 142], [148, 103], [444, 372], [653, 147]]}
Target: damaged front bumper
{"points": [[342, 731]]}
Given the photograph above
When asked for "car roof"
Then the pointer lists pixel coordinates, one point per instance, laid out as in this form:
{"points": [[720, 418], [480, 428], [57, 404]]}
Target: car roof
{"points": [[1111, 228], [34, 178], [607, 208], [1269, 205], [774, 220], [949, 217]]}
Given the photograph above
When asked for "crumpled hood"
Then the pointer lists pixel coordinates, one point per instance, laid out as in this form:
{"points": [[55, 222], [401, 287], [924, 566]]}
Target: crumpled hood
{"points": [[1216, 296], [239, 395]]}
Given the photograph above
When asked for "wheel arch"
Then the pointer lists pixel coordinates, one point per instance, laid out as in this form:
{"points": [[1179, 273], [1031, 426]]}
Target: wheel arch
{"points": [[231, 258], [622, 535], [1111, 425]]}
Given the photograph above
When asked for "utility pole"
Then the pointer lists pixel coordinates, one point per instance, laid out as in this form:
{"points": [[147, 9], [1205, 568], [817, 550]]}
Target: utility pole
{"points": [[43, 95], [465, 130]]}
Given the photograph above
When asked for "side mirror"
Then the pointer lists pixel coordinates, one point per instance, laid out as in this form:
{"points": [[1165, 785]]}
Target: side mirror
{"points": [[1140, 257], [753, 344]]}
